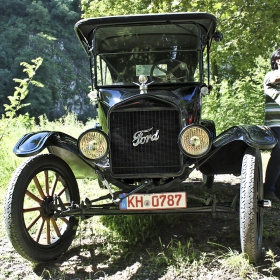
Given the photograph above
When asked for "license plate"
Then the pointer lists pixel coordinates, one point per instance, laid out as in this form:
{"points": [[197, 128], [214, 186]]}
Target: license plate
{"points": [[154, 201]]}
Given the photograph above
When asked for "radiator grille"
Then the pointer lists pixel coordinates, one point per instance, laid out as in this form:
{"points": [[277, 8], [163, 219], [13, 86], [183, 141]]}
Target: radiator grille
{"points": [[161, 156]]}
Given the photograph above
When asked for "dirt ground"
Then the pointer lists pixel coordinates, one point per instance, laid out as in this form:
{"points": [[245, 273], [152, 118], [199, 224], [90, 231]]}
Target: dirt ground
{"points": [[205, 230]]}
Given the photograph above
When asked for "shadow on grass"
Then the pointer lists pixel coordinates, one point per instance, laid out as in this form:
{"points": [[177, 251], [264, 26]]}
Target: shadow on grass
{"points": [[147, 247]]}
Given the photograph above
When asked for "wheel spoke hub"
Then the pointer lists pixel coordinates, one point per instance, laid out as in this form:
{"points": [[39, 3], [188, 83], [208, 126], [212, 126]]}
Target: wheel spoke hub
{"points": [[47, 207]]}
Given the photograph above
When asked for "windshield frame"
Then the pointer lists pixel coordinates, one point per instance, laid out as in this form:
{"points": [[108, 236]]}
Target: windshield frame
{"points": [[199, 47]]}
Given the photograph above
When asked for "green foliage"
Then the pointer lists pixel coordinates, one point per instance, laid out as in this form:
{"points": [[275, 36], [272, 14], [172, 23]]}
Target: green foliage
{"points": [[234, 261], [96, 8], [134, 229], [21, 90], [20, 93], [9, 162], [137, 229], [68, 124], [239, 103], [32, 28], [272, 258], [177, 254]]}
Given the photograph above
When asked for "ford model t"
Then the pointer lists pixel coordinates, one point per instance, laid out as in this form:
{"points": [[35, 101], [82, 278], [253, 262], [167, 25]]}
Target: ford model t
{"points": [[149, 75]]}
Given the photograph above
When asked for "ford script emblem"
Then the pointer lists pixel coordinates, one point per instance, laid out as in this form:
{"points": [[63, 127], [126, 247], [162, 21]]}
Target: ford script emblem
{"points": [[141, 137]]}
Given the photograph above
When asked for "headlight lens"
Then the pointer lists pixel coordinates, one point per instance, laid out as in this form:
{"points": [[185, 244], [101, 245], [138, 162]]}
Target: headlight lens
{"points": [[93, 144], [195, 140]]}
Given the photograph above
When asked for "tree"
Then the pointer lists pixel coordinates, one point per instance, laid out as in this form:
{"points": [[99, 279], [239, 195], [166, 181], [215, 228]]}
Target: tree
{"points": [[32, 28]]}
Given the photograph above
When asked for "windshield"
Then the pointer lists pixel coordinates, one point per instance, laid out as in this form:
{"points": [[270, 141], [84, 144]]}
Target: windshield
{"points": [[165, 53]]}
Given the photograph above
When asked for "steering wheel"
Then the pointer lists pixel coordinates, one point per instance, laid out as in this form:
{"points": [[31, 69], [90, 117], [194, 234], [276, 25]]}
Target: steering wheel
{"points": [[178, 72]]}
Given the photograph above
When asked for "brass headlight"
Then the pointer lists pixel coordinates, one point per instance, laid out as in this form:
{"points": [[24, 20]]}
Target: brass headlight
{"points": [[93, 144], [194, 140]]}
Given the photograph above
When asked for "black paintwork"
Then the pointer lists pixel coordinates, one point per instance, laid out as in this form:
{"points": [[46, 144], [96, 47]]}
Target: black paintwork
{"points": [[187, 98]]}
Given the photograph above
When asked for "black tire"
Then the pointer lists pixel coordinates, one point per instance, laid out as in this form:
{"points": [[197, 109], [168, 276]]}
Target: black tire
{"points": [[208, 181], [251, 213], [30, 224]]}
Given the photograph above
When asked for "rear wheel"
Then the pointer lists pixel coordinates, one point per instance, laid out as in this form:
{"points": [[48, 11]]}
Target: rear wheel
{"points": [[30, 223], [251, 213]]}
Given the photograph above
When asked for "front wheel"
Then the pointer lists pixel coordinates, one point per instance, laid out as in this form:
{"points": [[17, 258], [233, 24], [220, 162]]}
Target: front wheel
{"points": [[29, 210], [251, 213]]}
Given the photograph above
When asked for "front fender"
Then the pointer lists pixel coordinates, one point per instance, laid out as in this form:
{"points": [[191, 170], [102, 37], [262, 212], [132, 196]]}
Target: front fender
{"points": [[57, 143], [32, 143], [259, 137], [229, 147]]}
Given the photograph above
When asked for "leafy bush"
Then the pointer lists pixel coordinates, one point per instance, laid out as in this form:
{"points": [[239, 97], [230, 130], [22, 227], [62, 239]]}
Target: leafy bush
{"points": [[12, 116], [68, 123], [236, 103], [13, 125]]}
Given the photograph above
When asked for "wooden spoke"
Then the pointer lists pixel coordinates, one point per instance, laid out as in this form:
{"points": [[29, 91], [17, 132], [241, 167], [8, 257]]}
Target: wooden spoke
{"points": [[54, 184], [34, 197], [35, 220], [48, 232], [39, 231], [61, 192], [39, 188], [32, 209], [64, 220], [55, 227], [47, 182]]}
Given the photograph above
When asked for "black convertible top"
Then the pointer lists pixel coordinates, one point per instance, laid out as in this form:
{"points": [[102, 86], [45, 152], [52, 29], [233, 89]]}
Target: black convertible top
{"points": [[84, 28]]}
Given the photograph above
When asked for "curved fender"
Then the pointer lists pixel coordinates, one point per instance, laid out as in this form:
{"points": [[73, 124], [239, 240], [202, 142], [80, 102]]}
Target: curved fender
{"points": [[229, 147], [32, 143], [57, 143], [260, 137]]}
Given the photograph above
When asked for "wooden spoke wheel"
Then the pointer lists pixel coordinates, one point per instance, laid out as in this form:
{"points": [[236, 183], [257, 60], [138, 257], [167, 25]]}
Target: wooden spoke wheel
{"points": [[29, 208]]}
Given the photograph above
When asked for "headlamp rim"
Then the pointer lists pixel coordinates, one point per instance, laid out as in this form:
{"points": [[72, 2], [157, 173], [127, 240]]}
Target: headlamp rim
{"points": [[190, 127], [93, 130]]}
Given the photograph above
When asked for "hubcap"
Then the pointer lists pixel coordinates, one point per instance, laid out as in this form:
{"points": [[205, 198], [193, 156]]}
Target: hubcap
{"points": [[47, 207]]}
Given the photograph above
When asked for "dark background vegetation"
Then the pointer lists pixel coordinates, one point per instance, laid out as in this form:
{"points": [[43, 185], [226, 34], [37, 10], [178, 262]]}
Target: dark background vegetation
{"points": [[31, 29]]}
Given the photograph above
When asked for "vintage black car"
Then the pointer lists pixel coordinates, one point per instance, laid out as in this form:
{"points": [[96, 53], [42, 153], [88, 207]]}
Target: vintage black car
{"points": [[149, 75]]}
